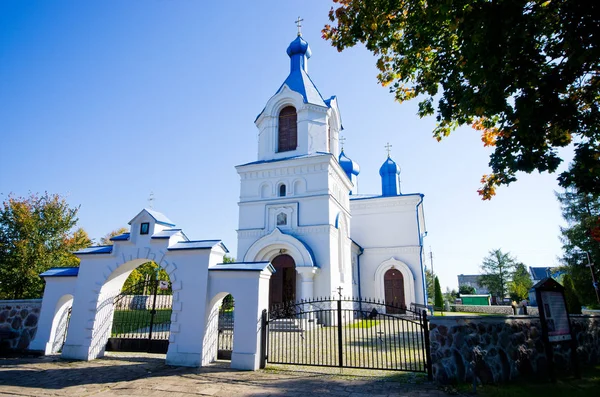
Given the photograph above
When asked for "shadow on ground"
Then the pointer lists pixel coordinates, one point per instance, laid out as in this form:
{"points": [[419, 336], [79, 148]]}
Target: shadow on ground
{"points": [[149, 373]]}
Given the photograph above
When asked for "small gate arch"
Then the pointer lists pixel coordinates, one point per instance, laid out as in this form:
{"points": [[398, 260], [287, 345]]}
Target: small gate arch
{"points": [[60, 323]]}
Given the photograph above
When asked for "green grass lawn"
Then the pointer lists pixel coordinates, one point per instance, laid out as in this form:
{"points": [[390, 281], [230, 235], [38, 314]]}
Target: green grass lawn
{"points": [[444, 314], [565, 386], [363, 324], [126, 321]]}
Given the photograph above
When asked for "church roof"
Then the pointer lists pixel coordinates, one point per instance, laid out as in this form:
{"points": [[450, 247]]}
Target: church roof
{"points": [[100, 249], [298, 80], [244, 266], [349, 166], [388, 167], [61, 272], [121, 237], [197, 245], [316, 154]]}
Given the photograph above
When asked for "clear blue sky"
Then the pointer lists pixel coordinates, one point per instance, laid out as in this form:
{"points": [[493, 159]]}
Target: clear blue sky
{"points": [[104, 102]]}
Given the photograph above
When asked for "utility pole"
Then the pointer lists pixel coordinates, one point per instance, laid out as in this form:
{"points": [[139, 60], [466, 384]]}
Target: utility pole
{"points": [[431, 259], [594, 282]]}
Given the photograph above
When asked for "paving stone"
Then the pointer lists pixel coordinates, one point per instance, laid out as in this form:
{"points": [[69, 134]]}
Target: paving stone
{"points": [[147, 375]]}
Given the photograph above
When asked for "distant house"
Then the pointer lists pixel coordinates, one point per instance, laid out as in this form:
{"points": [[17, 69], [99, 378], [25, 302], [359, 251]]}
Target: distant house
{"points": [[539, 273], [472, 280]]}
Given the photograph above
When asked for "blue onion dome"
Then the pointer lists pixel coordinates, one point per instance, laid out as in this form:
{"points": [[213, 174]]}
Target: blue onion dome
{"points": [[350, 167], [299, 46], [389, 167]]}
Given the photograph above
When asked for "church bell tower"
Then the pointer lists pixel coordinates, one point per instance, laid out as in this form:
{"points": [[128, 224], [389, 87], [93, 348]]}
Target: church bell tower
{"points": [[294, 199]]}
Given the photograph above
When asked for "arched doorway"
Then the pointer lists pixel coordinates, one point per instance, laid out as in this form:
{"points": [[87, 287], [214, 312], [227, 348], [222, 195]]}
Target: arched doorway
{"points": [[142, 312], [393, 284], [283, 283]]}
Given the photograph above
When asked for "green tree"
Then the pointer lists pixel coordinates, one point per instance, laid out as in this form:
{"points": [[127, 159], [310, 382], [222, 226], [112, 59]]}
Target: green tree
{"points": [[35, 235], [450, 295], [117, 232], [580, 238], [439, 298], [227, 303], [524, 73], [466, 290], [497, 268], [573, 303], [521, 283]]}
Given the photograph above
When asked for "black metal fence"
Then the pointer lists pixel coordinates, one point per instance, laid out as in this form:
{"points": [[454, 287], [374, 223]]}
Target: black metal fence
{"points": [[347, 332], [225, 339], [142, 318]]}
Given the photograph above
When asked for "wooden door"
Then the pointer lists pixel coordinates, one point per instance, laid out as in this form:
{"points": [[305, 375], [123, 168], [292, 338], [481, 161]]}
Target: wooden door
{"points": [[393, 284], [283, 282]]}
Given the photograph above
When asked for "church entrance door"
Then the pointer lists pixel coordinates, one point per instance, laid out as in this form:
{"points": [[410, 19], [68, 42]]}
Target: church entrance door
{"points": [[283, 282], [393, 284]]}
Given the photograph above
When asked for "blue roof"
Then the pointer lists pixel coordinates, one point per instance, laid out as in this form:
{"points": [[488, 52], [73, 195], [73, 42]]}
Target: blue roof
{"points": [[166, 233], [241, 266], [120, 237], [298, 79], [197, 245], [540, 273], [349, 166], [61, 272], [100, 249], [389, 166], [316, 154]]}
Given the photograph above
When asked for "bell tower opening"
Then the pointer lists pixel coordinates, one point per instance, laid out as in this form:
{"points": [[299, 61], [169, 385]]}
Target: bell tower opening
{"points": [[288, 130]]}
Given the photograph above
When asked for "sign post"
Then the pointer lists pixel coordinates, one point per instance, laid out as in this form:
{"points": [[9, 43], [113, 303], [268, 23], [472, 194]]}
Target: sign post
{"points": [[556, 325]]}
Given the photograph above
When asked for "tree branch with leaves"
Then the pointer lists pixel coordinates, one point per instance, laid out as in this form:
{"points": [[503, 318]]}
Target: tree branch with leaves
{"points": [[524, 74]]}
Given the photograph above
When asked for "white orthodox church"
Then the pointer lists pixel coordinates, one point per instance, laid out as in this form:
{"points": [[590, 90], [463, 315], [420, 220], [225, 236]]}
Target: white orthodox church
{"points": [[298, 211], [302, 234]]}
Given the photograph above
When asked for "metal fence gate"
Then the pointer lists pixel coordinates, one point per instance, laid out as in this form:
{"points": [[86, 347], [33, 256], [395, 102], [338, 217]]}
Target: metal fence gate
{"points": [[225, 338], [142, 318], [346, 332]]}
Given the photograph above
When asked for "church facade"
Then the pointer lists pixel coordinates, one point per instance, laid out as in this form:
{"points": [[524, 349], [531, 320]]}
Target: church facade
{"points": [[298, 211]]}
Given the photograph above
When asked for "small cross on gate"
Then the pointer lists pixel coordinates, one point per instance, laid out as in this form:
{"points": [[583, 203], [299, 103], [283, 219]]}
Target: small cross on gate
{"points": [[340, 291], [342, 141], [299, 25], [387, 147]]}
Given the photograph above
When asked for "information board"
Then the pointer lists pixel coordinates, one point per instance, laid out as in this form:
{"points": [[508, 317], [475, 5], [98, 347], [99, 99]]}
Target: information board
{"points": [[555, 312]]}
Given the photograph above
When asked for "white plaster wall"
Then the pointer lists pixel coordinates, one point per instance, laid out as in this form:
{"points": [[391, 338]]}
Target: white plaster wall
{"points": [[250, 290], [385, 221], [387, 227], [312, 126], [372, 282], [317, 209], [57, 294]]}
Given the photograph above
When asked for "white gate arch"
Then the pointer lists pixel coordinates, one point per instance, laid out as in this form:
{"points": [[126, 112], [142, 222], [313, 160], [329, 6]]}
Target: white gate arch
{"points": [[104, 269]]}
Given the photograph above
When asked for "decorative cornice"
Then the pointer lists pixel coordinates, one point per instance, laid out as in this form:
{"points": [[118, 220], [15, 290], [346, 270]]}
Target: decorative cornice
{"points": [[382, 202], [281, 168], [413, 249]]}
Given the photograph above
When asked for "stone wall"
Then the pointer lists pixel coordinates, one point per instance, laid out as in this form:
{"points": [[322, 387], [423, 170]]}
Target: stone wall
{"points": [[498, 349], [508, 310], [18, 323]]}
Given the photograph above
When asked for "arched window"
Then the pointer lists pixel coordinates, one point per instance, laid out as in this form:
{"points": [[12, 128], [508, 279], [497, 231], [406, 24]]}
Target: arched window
{"points": [[282, 190], [288, 130]]}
